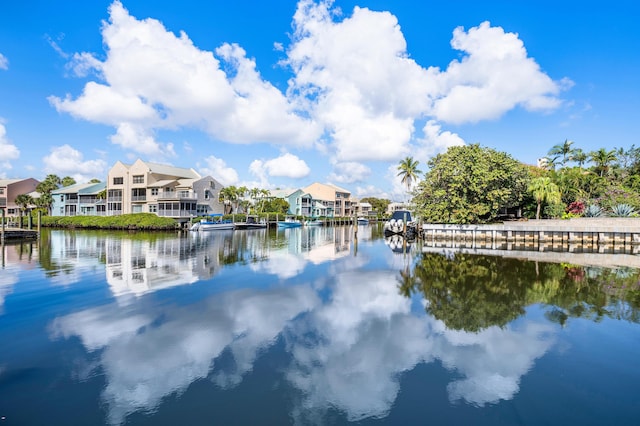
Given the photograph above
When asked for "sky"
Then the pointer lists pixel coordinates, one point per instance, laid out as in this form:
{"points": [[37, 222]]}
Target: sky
{"points": [[283, 94]]}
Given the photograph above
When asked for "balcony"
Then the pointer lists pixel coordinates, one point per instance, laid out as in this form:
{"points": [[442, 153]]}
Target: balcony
{"points": [[177, 195], [176, 213], [3, 202], [138, 198]]}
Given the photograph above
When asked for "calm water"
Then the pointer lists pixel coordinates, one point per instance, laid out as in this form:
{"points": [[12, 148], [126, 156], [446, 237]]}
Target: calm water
{"points": [[309, 326]]}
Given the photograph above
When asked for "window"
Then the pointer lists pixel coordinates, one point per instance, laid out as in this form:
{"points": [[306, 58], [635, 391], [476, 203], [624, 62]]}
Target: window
{"points": [[138, 178], [1, 191], [118, 180], [154, 191], [153, 208]]}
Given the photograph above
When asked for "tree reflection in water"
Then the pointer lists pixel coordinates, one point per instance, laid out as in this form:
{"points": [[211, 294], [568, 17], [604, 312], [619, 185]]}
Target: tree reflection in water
{"points": [[472, 292]]}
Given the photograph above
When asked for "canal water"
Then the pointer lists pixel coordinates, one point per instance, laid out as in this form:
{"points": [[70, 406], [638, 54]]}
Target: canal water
{"points": [[316, 325]]}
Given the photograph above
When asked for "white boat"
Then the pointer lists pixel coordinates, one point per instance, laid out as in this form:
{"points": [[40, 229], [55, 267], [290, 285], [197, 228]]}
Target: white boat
{"points": [[400, 223], [289, 222], [215, 222], [314, 222], [363, 221]]}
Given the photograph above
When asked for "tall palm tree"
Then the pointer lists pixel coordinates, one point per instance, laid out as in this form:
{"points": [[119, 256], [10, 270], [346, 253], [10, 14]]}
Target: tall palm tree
{"points": [[23, 201], [408, 169], [544, 190], [579, 156], [602, 160], [563, 149], [227, 196]]}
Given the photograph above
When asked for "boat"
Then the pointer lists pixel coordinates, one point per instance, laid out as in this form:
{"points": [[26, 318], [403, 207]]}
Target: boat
{"points": [[214, 222], [314, 222], [253, 222], [401, 224], [363, 221], [289, 222]]}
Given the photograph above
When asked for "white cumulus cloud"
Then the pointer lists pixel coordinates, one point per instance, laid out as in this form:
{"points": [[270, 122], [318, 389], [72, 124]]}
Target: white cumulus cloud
{"points": [[153, 79], [4, 62], [494, 76], [287, 165], [67, 161], [349, 172], [8, 151], [218, 169], [435, 141]]}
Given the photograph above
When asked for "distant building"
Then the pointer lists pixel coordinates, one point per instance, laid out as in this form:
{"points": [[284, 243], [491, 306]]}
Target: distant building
{"points": [[81, 199], [167, 191], [392, 207], [335, 200], [10, 189], [364, 209]]}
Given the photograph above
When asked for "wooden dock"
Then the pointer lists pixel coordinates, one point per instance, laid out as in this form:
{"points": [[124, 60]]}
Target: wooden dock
{"points": [[16, 234]]}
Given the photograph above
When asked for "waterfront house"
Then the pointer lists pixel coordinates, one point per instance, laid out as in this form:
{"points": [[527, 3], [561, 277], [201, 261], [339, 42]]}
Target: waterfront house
{"points": [[335, 200], [168, 191], [10, 189], [80, 199]]}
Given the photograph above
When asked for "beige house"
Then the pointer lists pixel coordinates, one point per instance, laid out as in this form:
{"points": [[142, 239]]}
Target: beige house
{"points": [[10, 189], [337, 201], [168, 191]]}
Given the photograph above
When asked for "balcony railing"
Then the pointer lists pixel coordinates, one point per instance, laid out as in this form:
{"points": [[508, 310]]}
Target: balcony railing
{"points": [[112, 199], [138, 198], [176, 213], [177, 195], [3, 202]]}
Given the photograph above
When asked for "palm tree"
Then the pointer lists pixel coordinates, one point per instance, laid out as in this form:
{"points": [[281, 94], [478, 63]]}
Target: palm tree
{"points": [[408, 169], [543, 190], [49, 184], [23, 201], [563, 149], [579, 156], [602, 160], [67, 181], [227, 196]]}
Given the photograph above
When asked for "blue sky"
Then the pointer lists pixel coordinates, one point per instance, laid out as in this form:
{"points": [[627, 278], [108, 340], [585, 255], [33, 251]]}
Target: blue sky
{"points": [[283, 94]]}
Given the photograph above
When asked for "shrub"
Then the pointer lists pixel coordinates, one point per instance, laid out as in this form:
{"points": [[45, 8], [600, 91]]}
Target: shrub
{"points": [[622, 210], [593, 210], [576, 208]]}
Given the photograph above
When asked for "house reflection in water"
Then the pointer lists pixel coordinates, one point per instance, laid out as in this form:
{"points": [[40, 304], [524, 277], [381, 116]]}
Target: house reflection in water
{"points": [[139, 266]]}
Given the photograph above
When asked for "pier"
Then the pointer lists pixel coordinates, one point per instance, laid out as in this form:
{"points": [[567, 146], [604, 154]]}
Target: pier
{"points": [[580, 234], [13, 234]]}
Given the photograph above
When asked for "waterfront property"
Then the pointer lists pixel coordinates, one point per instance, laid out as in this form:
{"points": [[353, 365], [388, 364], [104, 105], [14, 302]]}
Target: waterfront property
{"points": [[84, 199], [167, 191], [10, 189]]}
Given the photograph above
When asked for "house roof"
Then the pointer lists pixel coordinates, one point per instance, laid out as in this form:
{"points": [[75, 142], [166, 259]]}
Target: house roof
{"points": [[81, 188], [164, 169], [162, 183]]}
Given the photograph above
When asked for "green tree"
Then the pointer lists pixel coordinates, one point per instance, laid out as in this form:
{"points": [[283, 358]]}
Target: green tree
{"points": [[544, 190], [408, 170], [379, 205], [563, 149], [49, 184], [228, 195], [276, 205], [67, 181], [23, 201], [579, 156], [470, 184], [602, 160]]}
